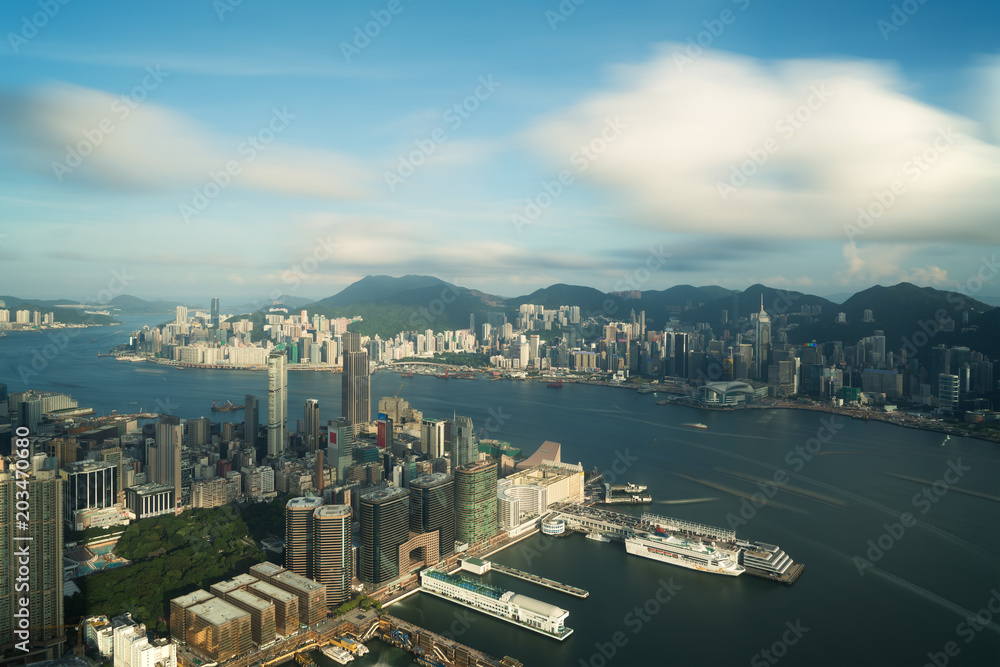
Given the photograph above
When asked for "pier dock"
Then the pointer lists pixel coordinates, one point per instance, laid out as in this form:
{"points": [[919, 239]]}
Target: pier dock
{"points": [[541, 581]]}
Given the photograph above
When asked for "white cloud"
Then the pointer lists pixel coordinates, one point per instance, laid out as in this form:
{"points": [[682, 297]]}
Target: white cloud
{"points": [[688, 131], [129, 145]]}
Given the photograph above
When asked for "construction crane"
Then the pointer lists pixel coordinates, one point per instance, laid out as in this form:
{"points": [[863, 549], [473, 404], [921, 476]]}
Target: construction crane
{"points": [[397, 392], [78, 650]]}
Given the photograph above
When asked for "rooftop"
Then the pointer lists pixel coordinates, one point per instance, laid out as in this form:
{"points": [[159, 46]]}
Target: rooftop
{"points": [[330, 511], [306, 502], [385, 495], [250, 599], [193, 598], [299, 582], [433, 479], [271, 591], [218, 612]]}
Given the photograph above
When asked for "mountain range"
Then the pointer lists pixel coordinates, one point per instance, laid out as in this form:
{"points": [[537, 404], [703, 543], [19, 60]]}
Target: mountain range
{"points": [[388, 305]]}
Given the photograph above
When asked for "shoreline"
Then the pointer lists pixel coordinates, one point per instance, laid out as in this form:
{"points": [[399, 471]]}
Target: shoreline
{"points": [[881, 417]]}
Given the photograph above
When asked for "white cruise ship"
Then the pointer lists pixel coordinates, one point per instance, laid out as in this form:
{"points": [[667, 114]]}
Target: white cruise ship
{"points": [[675, 550]]}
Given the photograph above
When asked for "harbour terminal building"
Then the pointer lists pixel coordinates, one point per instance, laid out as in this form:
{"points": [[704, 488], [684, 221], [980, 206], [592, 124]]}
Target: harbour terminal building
{"points": [[529, 613]]}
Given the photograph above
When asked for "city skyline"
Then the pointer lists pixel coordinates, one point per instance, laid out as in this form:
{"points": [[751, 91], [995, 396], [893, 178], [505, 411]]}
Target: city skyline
{"points": [[859, 148]]}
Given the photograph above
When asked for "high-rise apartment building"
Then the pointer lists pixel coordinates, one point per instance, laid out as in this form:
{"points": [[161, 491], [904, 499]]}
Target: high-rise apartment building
{"points": [[299, 534], [163, 455], [332, 566], [355, 381], [277, 402], [384, 527], [41, 544], [475, 501], [432, 507]]}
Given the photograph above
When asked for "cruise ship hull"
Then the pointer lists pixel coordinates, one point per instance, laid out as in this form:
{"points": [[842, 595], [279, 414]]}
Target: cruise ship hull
{"points": [[664, 554]]}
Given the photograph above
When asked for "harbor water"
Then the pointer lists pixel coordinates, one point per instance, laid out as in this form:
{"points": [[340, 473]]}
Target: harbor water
{"points": [[896, 569]]}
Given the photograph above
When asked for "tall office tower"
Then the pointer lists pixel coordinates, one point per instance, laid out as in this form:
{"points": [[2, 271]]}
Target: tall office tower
{"points": [[432, 507], [44, 566], [762, 342], [89, 485], [475, 501], [735, 316], [199, 431], [341, 436], [215, 312], [29, 414], [472, 323], [939, 363], [182, 315], [299, 534], [681, 355], [311, 421], [948, 391], [251, 419], [163, 455], [432, 440], [384, 527], [463, 442], [332, 551], [355, 381], [277, 402]]}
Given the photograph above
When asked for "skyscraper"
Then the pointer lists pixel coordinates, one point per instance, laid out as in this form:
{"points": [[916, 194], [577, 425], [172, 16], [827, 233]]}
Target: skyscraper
{"points": [[432, 507], [475, 501], [355, 381], [463, 442], [163, 456], [311, 421], [251, 419], [432, 438], [384, 527], [215, 312], [332, 551], [762, 343], [182, 315], [341, 435], [277, 402], [299, 534], [44, 554]]}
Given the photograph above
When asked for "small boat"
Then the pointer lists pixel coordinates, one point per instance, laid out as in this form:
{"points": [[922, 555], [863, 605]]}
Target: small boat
{"points": [[695, 425], [597, 537]]}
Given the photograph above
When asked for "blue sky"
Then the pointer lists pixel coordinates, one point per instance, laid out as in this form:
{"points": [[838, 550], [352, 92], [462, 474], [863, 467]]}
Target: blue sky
{"points": [[245, 149]]}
